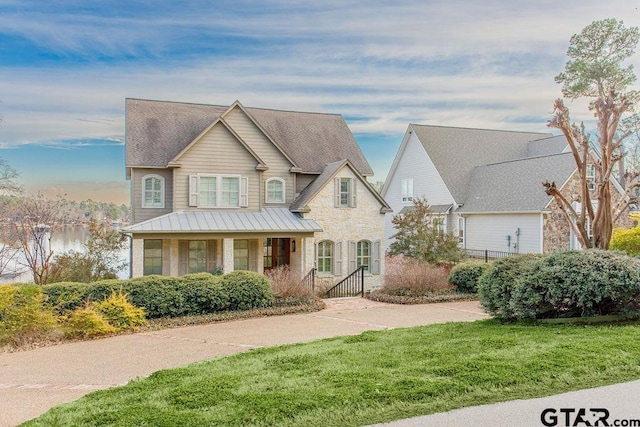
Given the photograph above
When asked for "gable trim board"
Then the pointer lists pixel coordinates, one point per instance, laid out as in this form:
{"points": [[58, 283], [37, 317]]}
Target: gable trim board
{"points": [[176, 160], [237, 104], [328, 175], [410, 138]]}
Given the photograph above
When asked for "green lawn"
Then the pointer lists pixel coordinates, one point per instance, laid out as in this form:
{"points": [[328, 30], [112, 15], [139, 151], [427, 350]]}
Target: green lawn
{"points": [[369, 378]]}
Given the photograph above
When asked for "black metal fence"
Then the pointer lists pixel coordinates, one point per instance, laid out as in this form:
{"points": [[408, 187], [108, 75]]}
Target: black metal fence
{"points": [[350, 286], [487, 255]]}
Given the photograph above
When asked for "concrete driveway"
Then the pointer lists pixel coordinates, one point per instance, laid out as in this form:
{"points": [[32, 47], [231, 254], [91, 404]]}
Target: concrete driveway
{"points": [[33, 381]]}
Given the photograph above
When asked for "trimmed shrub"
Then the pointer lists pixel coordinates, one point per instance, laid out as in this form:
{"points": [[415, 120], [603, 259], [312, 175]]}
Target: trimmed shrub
{"points": [[101, 290], [158, 295], [85, 322], [66, 296], [119, 312], [498, 281], [626, 240], [24, 316], [577, 284], [202, 293], [247, 290], [465, 276]]}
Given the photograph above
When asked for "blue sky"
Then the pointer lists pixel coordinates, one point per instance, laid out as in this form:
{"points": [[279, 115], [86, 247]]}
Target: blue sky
{"points": [[66, 67]]}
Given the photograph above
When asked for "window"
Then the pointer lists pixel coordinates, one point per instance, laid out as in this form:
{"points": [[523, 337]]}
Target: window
{"points": [[275, 190], [325, 257], [230, 191], [363, 254], [591, 176], [152, 191], [439, 223], [208, 191], [197, 260], [152, 257], [214, 191], [345, 193], [407, 190], [241, 255], [267, 252], [461, 230]]}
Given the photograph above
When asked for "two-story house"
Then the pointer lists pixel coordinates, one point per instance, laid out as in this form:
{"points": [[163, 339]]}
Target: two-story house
{"points": [[223, 188], [486, 185]]}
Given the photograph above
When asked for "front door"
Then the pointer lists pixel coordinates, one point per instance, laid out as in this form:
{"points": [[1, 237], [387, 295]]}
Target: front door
{"points": [[276, 252]]}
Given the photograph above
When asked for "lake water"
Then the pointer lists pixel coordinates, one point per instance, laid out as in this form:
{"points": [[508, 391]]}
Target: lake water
{"points": [[64, 239]]}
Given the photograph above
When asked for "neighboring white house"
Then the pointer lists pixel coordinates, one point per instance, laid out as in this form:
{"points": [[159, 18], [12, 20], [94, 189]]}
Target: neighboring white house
{"points": [[487, 185], [228, 188]]}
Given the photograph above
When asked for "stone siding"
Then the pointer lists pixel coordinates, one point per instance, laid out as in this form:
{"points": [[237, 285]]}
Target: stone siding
{"points": [[556, 229], [363, 222]]}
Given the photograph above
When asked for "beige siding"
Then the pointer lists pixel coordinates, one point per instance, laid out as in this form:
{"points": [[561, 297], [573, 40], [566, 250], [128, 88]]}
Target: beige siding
{"points": [[142, 214], [278, 164], [303, 180], [217, 152]]}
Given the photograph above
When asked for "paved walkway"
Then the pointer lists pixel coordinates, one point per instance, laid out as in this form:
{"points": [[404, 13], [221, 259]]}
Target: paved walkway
{"points": [[33, 381]]}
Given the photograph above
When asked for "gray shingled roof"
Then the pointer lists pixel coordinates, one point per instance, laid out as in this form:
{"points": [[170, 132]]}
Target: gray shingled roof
{"points": [[547, 146], [329, 171], [436, 209], [455, 152], [516, 186], [156, 131], [300, 203], [266, 220]]}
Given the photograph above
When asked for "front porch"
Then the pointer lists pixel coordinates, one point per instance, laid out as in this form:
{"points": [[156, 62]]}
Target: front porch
{"points": [[221, 241], [177, 256]]}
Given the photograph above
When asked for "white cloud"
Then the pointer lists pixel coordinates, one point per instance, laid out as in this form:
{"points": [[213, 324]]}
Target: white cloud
{"points": [[479, 64]]}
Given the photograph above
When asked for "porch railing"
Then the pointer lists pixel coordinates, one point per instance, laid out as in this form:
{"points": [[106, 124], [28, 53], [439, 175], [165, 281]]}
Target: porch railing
{"points": [[309, 281], [350, 286]]}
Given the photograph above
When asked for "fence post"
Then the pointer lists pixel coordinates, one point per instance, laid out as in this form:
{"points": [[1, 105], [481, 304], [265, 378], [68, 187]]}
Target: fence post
{"points": [[486, 256]]}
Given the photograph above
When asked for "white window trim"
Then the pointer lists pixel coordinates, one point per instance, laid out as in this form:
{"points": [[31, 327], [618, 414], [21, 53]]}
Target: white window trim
{"points": [[194, 191], [284, 190], [153, 206], [360, 258], [406, 190], [332, 246], [591, 176], [351, 194]]}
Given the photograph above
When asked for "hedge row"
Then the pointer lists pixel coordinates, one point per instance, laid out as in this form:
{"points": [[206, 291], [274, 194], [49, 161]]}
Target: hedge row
{"points": [[561, 284], [164, 296], [465, 276]]}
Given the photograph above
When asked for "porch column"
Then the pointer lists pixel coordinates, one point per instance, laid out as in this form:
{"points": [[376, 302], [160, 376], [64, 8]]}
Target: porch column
{"points": [[308, 252], [227, 254], [137, 257], [173, 258]]}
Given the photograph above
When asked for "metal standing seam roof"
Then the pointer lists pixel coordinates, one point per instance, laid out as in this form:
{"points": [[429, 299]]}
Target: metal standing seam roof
{"points": [[214, 221]]}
